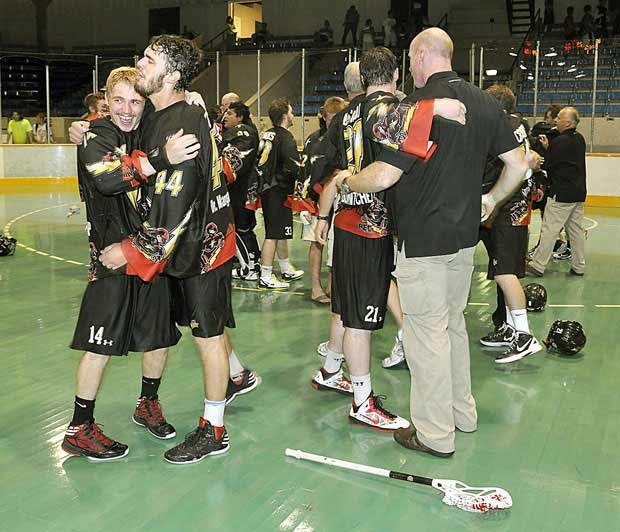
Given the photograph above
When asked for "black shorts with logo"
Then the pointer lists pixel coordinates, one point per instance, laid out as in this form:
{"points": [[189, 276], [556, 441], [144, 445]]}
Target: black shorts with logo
{"points": [[508, 251], [278, 218], [122, 313], [361, 279], [204, 302]]}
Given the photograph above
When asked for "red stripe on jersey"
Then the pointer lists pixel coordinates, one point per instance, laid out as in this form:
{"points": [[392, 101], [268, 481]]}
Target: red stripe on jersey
{"points": [[138, 264], [419, 131], [300, 204], [229, 249], [351, 220]]}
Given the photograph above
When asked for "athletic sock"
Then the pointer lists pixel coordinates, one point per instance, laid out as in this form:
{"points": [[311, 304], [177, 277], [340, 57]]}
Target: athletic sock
{"points": [[265, 272], [519, 318], [235, 364], [214, 412], [333, 361], [83, 411], [285, 265], [509, 320], [150, 387], [399, 335], [361, 388]]}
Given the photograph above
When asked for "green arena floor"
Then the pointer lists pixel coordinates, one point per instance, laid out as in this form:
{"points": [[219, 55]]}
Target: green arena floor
{"points": [[549, 426]]}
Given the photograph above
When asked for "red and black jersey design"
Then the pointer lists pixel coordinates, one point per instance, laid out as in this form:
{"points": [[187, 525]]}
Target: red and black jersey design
{"points": [[278, 162], [517, 210], [239, 146], [304, 198], [189, 203], [108, 184]]}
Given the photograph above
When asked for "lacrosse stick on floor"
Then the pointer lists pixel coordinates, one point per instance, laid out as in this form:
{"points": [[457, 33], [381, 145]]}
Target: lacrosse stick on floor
{"points": [[456, 493]]}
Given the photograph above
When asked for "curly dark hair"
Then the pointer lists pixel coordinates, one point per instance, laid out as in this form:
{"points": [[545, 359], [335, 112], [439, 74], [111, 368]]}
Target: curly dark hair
{"points": [[182, 56]]}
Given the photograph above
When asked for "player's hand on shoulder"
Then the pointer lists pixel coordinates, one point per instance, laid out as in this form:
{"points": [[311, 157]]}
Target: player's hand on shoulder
{"points": [[195, 98], [180, 147], [77, 130], [451, 109]]}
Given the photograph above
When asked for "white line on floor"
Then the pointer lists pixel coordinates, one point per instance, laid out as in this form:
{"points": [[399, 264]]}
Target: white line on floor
{"points": [[566, 306]]}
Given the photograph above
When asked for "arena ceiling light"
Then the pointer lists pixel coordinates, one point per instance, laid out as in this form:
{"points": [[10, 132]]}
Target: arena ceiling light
{"points": [[513, 52], [580, 75], [573, 68], [551, 53], [491, 72], [561, 62], [522, 66]]}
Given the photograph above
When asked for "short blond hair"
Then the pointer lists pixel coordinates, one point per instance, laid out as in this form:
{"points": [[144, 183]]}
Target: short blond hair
{"points": [[334, 104], [129, 75]]}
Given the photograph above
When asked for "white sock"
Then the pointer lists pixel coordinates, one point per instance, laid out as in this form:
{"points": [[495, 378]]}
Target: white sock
{"points": [[509, 320], [361, 388], [235, 364], [214, 412], [285, 265], [266, 271], [333, 361], [519, 318]]}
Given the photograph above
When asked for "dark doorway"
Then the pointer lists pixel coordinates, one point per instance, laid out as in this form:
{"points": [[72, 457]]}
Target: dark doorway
{"points": [[164, 20]]}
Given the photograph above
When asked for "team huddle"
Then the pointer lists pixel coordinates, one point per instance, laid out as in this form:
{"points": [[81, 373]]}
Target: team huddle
{"points": [[170, 200]]}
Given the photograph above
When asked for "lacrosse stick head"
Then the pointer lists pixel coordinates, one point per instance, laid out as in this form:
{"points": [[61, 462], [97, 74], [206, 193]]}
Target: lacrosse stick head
{"points": [[472, 499]]}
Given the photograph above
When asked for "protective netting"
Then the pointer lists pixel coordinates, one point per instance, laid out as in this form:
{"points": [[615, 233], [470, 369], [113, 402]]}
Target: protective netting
{"points": [[472, 499]]}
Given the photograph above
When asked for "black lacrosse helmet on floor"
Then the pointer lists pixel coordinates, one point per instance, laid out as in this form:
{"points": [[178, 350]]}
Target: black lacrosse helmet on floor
{"points": [[535, 297], [567, 337], [7, 245]]}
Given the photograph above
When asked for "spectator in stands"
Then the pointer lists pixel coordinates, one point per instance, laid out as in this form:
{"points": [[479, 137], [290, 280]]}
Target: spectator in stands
{"points": [[325, 35], [96, 104], [260, 37], [368, 35], [230, 36], [600, 22], [570, 29], [548, 18], [565, 162], [389, 30], [19, 130], [39, 131], [587, 24], [351, 22]]}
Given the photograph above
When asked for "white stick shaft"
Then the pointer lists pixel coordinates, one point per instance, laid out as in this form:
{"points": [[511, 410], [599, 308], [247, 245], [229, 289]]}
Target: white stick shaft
{"points": [[302, 455]]}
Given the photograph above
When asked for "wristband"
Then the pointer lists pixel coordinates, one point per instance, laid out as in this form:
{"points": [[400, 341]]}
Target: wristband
{"points": [[158, 160], [324, 218]]}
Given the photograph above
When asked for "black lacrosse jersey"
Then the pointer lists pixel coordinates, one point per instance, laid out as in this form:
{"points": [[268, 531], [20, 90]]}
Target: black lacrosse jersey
{"points": [[109, 188], [278, 162], [517, 209], [189, 229], [239, 148]]}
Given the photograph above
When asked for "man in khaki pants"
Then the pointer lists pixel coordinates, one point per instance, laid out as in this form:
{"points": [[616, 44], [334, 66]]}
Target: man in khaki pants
{"points": [[438, 212], [565, 162]]}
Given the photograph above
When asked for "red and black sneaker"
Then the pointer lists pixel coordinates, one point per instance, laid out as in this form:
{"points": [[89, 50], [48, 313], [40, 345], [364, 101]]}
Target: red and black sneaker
{"points": [[205, 440], [88, 440], [242, 383], [148, 414]]}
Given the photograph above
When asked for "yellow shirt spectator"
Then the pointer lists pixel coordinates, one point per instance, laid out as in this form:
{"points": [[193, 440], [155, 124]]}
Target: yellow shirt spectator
{"points": [[19, 130]]}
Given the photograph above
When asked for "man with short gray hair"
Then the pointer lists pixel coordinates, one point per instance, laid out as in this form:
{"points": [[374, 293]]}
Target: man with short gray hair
{"points": [[565, 163]]}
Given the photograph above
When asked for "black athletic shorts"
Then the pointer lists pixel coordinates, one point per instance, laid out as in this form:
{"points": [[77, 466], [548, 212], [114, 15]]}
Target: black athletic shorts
{"points": [[122, 313], [508, 251], [361, 271], [204, 302], [278, 218]]}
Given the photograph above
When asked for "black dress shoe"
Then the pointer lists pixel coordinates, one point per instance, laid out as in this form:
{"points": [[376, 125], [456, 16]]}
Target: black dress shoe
{"points": [[573, 272], [408, 438]]}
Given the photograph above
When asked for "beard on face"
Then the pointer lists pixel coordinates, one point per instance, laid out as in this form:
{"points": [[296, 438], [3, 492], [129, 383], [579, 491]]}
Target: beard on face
{"points": [[145, 89]]}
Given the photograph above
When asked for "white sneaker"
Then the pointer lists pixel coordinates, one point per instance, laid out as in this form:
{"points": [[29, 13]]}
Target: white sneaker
{"points": [[321, 349], [396, 360], [336, 382], [372, 414], [245, 275], [292, 274], [272, 283]]}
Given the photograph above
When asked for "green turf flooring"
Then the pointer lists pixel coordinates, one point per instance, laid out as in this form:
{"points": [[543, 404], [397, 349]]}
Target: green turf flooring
{"points": [[549, 427]]}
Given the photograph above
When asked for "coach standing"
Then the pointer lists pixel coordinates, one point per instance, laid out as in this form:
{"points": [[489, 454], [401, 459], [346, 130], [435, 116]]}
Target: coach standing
{"points": [[438, 209], [565, 162]]}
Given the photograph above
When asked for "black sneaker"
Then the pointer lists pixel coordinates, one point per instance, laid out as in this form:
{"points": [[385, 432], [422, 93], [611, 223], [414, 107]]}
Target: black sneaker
{"points": [[199, 444], [524, 344], [502, 336], [244, 383], [563, 255], [148, 414], [88, 440]]}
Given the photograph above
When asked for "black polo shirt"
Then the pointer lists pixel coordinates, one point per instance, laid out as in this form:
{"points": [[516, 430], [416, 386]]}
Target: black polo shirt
{"points": [[565, 162], [437, 202]]}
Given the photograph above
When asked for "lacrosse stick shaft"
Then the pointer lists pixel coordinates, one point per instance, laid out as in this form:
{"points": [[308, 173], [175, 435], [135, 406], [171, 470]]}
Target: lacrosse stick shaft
{"points": [[302, 455]]}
